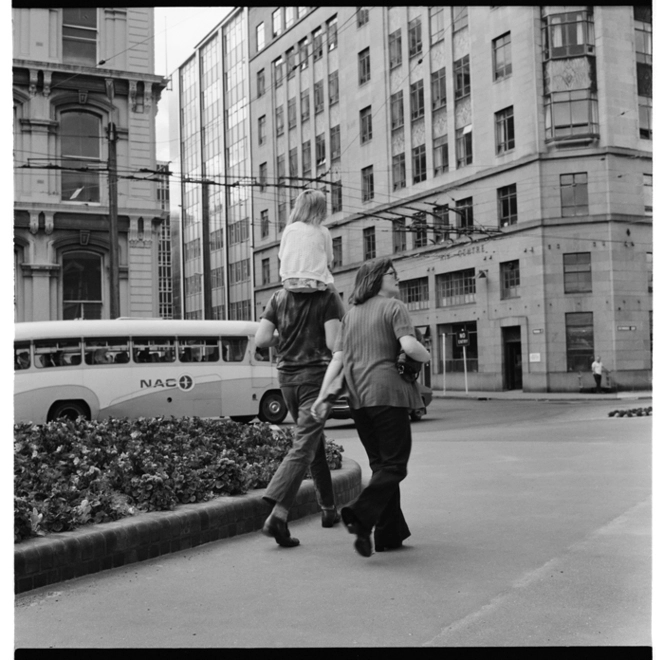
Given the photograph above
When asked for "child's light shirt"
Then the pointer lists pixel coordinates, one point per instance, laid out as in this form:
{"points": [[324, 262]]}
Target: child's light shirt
{"points": [[305, 252]]}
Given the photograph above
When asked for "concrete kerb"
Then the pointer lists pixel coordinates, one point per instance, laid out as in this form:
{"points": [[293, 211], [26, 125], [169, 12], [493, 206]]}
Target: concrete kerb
{"points": [[50, 559], [512, 395]]}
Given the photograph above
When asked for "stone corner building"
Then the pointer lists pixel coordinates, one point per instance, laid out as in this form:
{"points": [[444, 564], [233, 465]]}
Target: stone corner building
{"points": [[75, 71]]}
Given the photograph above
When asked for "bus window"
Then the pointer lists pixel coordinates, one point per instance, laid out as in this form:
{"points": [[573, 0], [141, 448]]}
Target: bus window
{"points": [[233, 348], [262, 354], [198, 349], [106, 350], [154, 349], [57, 353], [21, 355]]}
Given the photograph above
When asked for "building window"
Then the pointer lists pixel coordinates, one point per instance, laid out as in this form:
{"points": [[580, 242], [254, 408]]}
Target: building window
{"points": [[569, 34], [464, 146], [282, 216], [277, 26], [320, 149], [456, 288], [396, 108], [415, 293], [441, 224], [395, 49], [362, 14], [510, 279], [332, 33], [505, 130], [260, 36], [419, 164], [81, 285], [369, 236], [318, 43], [278, 71], [441, 159], [399, 171], [303, 48], [292, 163], [438, 91], [464, 208], [436, 27], [459, 18], [319, 97], [238, 232], [574, 194], [399, 235], [451, 355], [366, 129], [265, 224], [577, 272], [306, 159], [261, 130], [414, 37], [290, 16], [650, 271], [216, 278], [335, 142], [262, 176], [571, 114], [419, 228], [290, 63], [333, 87], [645, 118], [79, 36], [216, 240], [364, 66], [281, 168], [292, 113], [337, 252], [266, 270], [80, 143], [336, 197], [279, 119], [260, 83], [462, 77], [417, 100], [304, 105], [367, 183], [647, 193], [507, 210], [644, 79], [502, 57], [580, 341]]}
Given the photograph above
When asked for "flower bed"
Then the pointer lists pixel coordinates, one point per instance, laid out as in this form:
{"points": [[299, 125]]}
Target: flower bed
{"points": [[632, 412], [67, 473]]}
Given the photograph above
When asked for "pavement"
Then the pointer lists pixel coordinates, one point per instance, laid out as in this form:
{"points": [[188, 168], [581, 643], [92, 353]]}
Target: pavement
{"points": [[511, 395], [531, 526]]}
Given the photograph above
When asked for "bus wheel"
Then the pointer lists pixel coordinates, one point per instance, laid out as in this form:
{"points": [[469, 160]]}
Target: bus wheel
{"points": [[273, 408], [69, 410]]}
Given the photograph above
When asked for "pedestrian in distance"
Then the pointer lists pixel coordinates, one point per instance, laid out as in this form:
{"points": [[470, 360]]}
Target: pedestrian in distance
{"points": [[303, 325], [305, 252], [376, 327], [597, 368]]}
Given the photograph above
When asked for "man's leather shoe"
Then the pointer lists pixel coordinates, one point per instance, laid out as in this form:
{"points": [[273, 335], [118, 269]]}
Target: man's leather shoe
{"points": [[388, 546], [354, 526], [330, 517], [278, 530]]}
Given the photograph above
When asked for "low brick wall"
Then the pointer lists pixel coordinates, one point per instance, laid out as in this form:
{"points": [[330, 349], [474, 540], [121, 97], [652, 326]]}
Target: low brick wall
{"points": [[57, 557]]}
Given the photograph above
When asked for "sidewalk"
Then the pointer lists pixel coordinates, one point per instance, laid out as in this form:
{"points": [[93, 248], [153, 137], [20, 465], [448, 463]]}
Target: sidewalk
{"points": [[544, 396]]}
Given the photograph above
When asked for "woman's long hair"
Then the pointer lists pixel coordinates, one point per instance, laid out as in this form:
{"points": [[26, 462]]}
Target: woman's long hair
{"points": [[310, 207], [369, 280]]}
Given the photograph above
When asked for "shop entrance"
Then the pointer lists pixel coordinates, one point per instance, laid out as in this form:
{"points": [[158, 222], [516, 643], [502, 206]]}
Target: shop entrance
{"points": [[513, 371]]}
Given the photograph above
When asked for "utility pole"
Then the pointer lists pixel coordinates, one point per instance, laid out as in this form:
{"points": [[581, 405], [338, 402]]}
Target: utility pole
{"points": [[112, 135]]}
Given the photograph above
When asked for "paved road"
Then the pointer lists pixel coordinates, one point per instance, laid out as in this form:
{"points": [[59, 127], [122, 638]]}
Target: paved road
{"points": [[530, 522]]}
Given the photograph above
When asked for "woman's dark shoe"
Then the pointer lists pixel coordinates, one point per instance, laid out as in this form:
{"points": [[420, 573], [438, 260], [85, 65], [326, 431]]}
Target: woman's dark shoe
{"points": [[363, 541], [330, 517], [278, 530]]}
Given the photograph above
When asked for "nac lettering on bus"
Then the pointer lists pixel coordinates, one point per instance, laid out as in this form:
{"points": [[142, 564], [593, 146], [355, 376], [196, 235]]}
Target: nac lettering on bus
{"points": [[184, 383]]}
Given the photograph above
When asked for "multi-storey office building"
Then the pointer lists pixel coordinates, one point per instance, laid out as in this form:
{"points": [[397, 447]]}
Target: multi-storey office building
{"points": [[213, 173], [502, 156], [81, 79]]}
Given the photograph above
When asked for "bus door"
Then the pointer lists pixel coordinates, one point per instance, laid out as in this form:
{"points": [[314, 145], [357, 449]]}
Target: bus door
{"points": [[237, 393], [200, 374]]}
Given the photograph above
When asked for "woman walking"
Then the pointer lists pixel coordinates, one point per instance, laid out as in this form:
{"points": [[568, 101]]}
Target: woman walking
{"points": [[373, 332]]}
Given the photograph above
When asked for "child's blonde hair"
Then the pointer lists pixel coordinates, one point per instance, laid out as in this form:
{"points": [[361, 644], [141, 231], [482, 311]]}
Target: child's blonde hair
{"points": [[310, 207]]}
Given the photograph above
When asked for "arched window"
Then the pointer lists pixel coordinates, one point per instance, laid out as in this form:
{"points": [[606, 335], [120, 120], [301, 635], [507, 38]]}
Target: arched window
{"points": [[81, 285], [80, 139]]}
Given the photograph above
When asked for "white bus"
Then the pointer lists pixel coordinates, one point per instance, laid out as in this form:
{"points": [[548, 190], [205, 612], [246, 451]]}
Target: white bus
{"points": [[143, 368]]}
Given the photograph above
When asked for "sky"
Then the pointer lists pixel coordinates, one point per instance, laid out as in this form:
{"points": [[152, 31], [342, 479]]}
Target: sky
{"points": [[177, 31]]}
